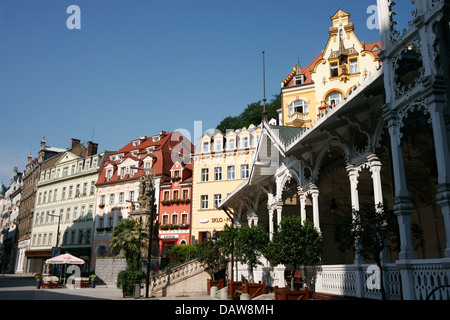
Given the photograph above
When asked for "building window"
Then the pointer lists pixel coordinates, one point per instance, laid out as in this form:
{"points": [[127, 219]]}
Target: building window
{"points": [[185, 194], [70, 191], [67, 214], [121, 197], [80, 236], [334, 98], [334, 69], [204, 202], [299, 106], [184, 218], [77, 190], [89, 214], [231, 173], [83, 209], [111, 198], [353, 66], [88, 237], [166, 195], [102, 199], [205, 175], [217, 174], [108, 175], [65, 171], [75, 213], [174, 219], [244, 171], [218, 146], [245, 142], [131, 196], [165, 219], [205, 147], [217, 200], [92, 187], [85, 188], [63, 193], [231, 144], [175, 194]]}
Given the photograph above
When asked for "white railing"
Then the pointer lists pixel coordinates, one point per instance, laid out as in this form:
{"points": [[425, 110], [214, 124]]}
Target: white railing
{"points": [[354, 280], [176, 274], [429, 275]]}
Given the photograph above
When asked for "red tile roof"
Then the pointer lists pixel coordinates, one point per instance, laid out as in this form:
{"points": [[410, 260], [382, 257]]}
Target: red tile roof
{"points": [[162, 158], [306, 71]]}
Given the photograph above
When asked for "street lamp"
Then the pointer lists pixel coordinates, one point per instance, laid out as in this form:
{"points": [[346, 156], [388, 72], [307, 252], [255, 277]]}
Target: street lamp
{"points": [[150, 226], [56, 251], [57, 232]]}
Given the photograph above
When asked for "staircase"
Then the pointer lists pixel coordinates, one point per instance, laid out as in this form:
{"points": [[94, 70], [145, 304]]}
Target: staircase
{"points": [[189, 277]]}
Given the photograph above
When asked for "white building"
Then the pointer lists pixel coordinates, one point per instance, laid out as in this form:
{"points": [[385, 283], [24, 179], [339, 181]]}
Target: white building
{"points": [[65, 206], [388, 143]]}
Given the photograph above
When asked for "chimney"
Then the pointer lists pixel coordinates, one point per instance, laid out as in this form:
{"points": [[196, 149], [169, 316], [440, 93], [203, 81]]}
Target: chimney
{"points": [[91, 148], [74, 142], [42, 150]]}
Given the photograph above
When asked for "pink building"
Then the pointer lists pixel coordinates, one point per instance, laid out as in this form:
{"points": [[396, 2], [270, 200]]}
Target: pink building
{"points": [[118, 183], [175, 207]]}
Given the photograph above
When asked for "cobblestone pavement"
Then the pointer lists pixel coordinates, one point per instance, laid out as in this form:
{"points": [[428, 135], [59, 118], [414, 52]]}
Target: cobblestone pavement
{"points": [[15, 287]]}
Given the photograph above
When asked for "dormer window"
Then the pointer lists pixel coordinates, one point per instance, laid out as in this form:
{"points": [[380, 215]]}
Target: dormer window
{"points": [[136, 143], [218, 145], [150, 149], [134, 153], [205, 147], [299, 79]]}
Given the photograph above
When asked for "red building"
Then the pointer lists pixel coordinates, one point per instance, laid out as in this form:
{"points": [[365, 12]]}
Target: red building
{"points": [[175, 207]]}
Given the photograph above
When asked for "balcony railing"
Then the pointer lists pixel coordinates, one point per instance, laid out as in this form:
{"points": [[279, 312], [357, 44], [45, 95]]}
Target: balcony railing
{"points": [[299, 118]]}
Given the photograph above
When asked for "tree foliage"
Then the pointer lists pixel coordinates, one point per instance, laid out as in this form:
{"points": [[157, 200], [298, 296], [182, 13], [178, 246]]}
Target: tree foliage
{"points": [[295, 243], [251, 115], [131, 238], [250, 244], [209, 253]]}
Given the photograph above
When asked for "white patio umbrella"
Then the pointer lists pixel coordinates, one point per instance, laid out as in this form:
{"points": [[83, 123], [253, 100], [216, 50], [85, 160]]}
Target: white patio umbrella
{"points": [[65, 259]]}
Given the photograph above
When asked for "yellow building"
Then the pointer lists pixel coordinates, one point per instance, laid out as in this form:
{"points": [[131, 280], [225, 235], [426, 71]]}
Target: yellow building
{"points": [[343, 65], [222, 162]]}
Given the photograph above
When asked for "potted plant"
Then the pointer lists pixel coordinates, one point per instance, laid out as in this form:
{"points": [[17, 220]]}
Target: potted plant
{"points": [[127, 279], [38, 278], [92, 280]]}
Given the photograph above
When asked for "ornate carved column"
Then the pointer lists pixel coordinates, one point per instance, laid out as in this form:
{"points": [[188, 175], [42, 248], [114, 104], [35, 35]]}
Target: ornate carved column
{"points": [[375, 169], [353, 176], [314, 191], [402, 202], [302, 197], [270, 211], [441, 143]]}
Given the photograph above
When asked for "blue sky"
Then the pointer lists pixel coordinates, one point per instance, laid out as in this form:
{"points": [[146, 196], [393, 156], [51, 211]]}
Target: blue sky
{"points": [[140, 66]]}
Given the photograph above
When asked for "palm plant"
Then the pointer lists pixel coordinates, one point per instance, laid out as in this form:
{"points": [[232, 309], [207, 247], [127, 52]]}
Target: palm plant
{"points": [[131, 238]]}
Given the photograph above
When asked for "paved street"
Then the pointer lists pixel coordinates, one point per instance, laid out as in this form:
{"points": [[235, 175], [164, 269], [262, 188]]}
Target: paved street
{"points": [[14, 287]]}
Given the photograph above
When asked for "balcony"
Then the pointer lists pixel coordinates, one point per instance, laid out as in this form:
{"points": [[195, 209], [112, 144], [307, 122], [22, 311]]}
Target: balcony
{"points": [[298, 119]]}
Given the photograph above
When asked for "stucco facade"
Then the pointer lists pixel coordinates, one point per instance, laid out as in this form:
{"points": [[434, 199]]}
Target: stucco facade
{"points": [[65, 206], [222, 163]]}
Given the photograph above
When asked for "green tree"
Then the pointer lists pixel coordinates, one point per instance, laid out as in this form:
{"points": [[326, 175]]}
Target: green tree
{"points": [[131, 238], [181, 253], [250, 244], [295, 243], [369, 231], [252, 114], [209, 253]]}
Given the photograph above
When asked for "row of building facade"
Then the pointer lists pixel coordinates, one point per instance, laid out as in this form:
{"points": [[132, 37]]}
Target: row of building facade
{"points": [[70, 199], [362, 123]]}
